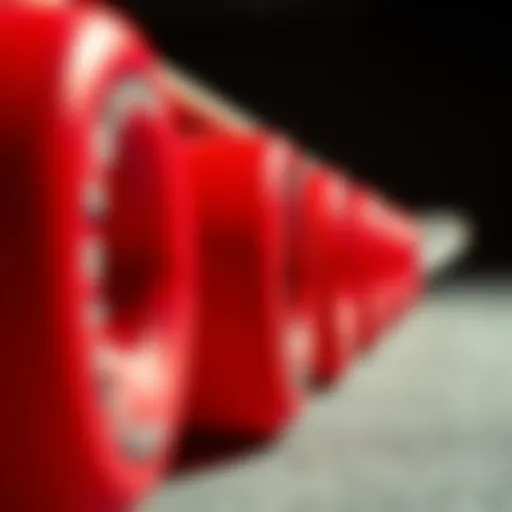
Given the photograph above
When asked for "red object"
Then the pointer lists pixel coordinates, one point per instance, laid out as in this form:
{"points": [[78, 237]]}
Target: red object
{"points": [[94, 350], [325, 203], [384, 263], [406, 280], [252, 353], [192, 123]]}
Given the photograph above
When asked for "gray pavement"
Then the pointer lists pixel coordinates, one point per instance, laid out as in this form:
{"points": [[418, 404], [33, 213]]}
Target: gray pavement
{"points": [[423, 424]]}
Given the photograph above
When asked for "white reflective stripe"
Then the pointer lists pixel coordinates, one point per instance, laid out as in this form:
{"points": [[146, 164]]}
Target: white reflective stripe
{"points": [[95, 199], [132, 94], [94, 258], [97, 41], [96, 313]]}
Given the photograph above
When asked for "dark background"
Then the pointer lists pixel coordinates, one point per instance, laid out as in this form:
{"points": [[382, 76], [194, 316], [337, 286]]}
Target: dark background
{"points": [[412, 97]]}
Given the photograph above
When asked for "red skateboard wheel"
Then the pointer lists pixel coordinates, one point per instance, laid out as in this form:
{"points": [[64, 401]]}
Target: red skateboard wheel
{"points": [[252, 338], [325, 210], [95, 329]]}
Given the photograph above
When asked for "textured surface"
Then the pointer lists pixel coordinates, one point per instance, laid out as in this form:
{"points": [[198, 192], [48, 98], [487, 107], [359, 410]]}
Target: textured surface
{"points": [[422, 424]]}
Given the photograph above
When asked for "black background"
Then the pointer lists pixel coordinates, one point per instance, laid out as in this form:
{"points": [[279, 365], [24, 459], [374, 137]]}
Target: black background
{"points": [[412, 97]]}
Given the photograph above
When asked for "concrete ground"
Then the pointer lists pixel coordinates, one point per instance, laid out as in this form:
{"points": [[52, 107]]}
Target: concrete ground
{"points": [[423, 424]]}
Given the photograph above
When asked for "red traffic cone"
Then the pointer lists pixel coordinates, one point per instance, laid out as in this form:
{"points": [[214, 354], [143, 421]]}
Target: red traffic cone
{"points": [[252, 338], [383, 263], [407, 276], [325, 203], [103, 393]]}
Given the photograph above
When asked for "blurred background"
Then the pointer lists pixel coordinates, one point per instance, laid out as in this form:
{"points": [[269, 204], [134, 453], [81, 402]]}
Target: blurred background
{"points": [[415, 99], [412, 97]]}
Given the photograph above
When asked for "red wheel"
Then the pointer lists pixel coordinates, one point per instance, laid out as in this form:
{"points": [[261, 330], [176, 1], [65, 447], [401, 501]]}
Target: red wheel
{"points": [[95, 327], [325, 210], [252, 337]]}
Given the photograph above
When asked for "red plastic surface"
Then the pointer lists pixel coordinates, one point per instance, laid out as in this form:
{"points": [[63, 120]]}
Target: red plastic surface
{"points": [[325, 213], [68, 442], [250, 366], [384, 263]]}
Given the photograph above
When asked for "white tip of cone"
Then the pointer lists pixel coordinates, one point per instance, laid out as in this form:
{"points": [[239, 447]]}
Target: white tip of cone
{"points": [[446, 238]]}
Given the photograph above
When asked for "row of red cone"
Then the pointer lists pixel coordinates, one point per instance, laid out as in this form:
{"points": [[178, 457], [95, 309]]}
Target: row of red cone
{"points": [[238, 272], [348, 258], [292, 253]]}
